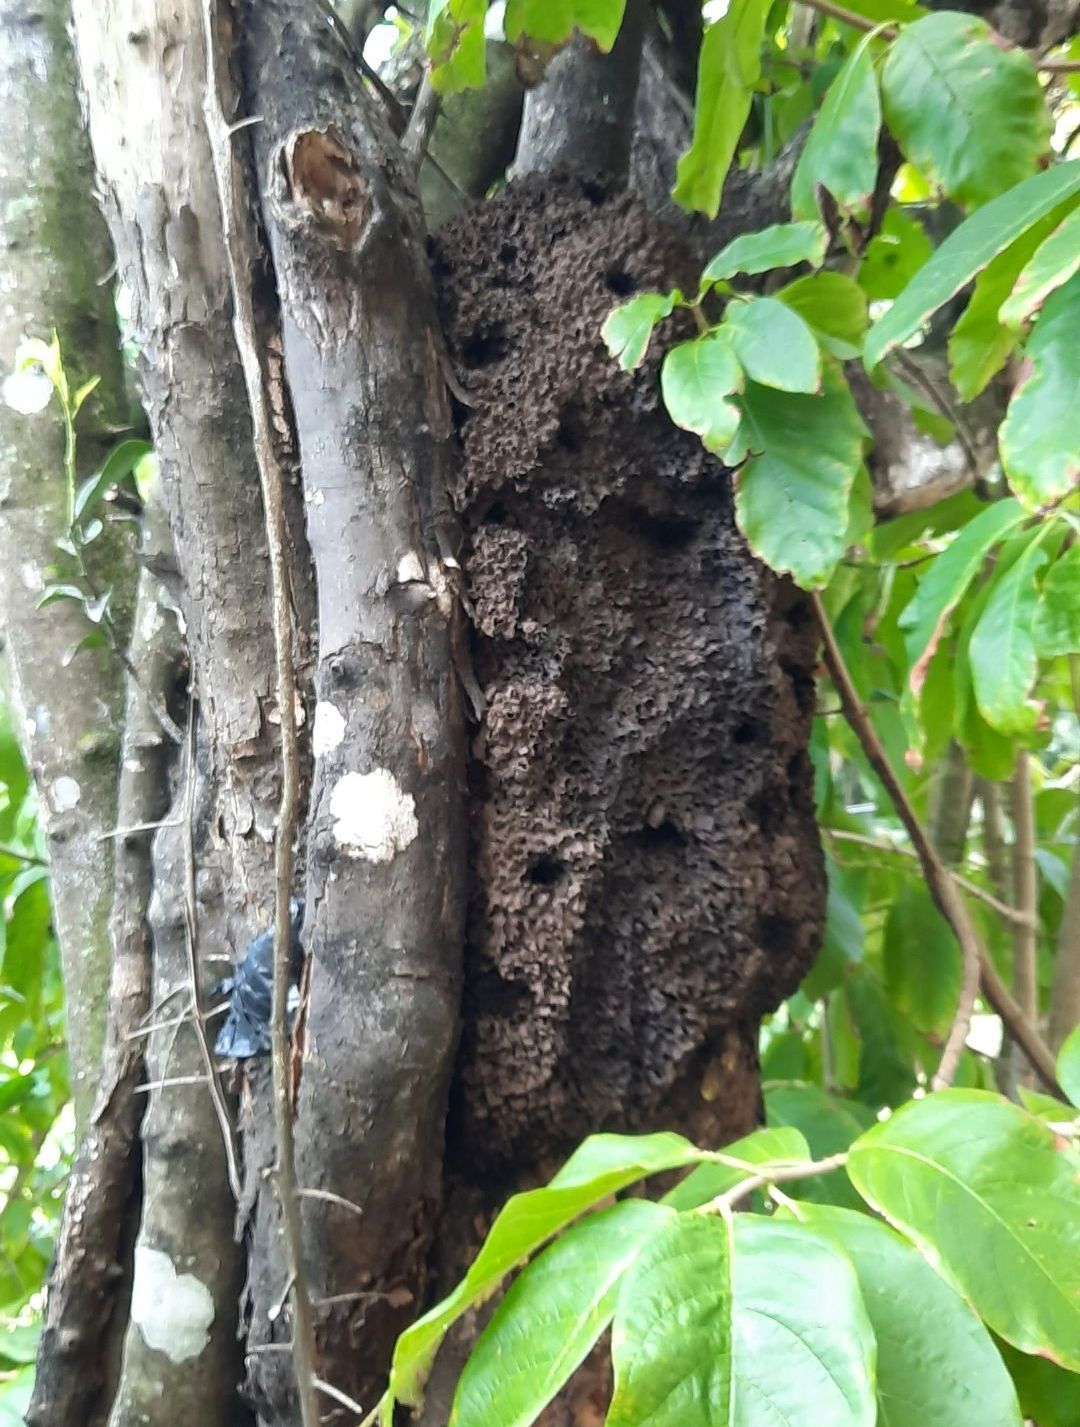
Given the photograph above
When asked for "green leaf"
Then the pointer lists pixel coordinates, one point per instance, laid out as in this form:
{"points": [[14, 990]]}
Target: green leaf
{"points": [[922, 961], [781, 246], [926, 618], [729, 67], [603, 1165], [968, 111], [829, 1124], [1057, 616], [1068, 1066], [740, 1323], [936, 1364], [802, 455], [120, 462], [774, 344], [894, 255], [841, 151], [1054, 263], [553, 22], [967, 250], [454, 41], [1040, 437], [1048, 1395], [833, 307], [81, 394], [1002, 647], [883, 10], [842, 946], [627, 330], [993, 1202], [696, 380], [762, 1147], [551, 1317], [980, 343]]}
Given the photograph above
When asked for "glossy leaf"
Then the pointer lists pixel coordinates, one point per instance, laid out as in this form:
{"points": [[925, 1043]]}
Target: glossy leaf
{"points": [[728, 68], [1051, 266], [602, 1165], [1057, 616], [967, 250], [993, 1201], [1049, 1395], [1068, 1066], [922, 961], [802, 454], [781, 246], [894, 255], [454, 40], [937, 1366], [697, 379], [627, 330], [1002, 648], [552, 22], [551, 1317], [774, 344], [829, 1124], [926, 618], [841, 153], [1040, 437], [741, 1323], [969, 111], [121, 461], [833, 307]]}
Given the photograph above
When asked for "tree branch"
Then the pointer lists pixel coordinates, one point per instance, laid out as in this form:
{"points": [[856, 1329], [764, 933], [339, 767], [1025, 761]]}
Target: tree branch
{"points": [[943, 889], [772, 1174], [1065, 995], [242, 254], [1025, 889]]}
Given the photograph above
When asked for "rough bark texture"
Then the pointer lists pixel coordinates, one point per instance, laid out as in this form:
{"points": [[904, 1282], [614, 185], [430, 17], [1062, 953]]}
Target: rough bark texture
{"points": [[54, 251], [386, 836], [647, 874]]}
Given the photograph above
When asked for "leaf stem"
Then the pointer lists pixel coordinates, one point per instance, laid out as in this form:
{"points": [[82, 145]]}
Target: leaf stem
{"points": [[769, 1175]]}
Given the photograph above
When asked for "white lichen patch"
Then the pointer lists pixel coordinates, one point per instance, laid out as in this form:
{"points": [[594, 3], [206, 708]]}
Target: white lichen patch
{"points": [[173, 1311], [410, 569], [373, 817], [328, 729], [65, 794]]}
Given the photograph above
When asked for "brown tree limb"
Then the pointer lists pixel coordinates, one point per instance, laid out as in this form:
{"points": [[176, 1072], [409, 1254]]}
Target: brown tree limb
{"points": [[942, 886], [241, 248], [1025, 890]]}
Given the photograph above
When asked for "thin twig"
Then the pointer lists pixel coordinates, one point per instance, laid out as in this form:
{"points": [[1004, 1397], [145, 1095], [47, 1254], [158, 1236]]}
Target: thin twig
{"points": [[938, 877], [339, 1396], [30, 858], [169, 1082], [772, 1174], [191, 942], [890, 32], [1009, 914], [1025, 889], [945, 406], [422, 121], [240, 248], [330, 1197]]}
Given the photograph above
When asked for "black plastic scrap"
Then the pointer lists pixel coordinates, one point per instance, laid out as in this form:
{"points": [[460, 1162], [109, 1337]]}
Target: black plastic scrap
{"points": [[246, 1032]]}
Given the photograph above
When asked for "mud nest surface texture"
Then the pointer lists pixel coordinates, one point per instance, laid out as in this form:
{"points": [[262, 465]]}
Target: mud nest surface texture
{"points": [[646, 872]]}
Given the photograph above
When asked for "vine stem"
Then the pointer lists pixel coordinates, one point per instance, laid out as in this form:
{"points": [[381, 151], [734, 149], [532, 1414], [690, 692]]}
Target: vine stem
{"points": [[977, 967], [241, 253], [890, 32]]}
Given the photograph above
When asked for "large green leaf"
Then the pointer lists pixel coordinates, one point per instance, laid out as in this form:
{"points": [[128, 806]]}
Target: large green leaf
{"points": [[829, 1124], [1068, 1067], [980, 343], [729, 67], [454, 40], [894, 255], [1040, 437], [833, 307], [781, 246], [968, 111], [1049, 1395], [741, 1323], [552, 22], [802, 454], [603, 1165], [762, 1147], [551, 1317], [967, 250], [627, 329], [936, 1364], [1057, 618], [1002, 647], [697, 379], [993, 1201], [841, 151], [926, 618], [922, 961], [774, 344], [1054, 263]]}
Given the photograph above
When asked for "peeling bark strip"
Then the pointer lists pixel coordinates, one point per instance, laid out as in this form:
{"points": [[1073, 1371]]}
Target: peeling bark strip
{"points": [[386, 844]]}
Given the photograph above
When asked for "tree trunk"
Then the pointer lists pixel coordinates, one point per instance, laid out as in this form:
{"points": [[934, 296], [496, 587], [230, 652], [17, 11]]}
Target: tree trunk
{"points": [[557, 866]]}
